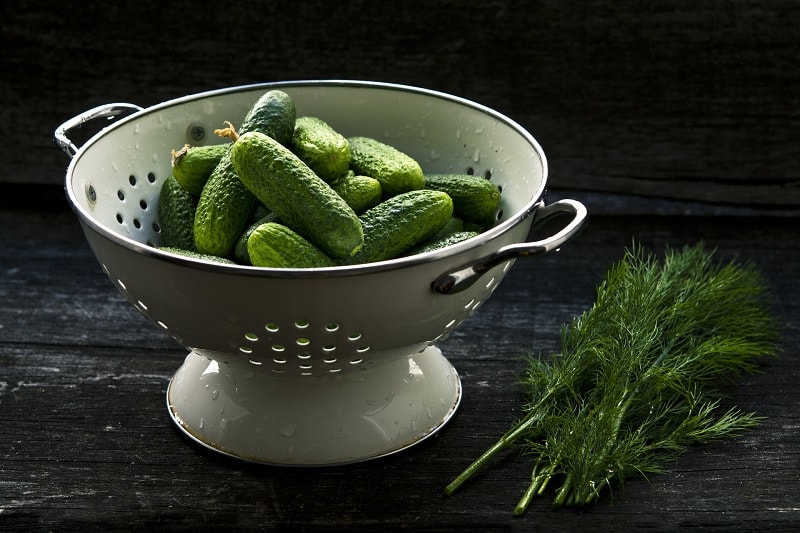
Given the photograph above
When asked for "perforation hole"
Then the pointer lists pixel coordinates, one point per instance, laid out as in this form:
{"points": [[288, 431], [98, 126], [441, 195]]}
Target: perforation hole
{"points": [[132, 180]]}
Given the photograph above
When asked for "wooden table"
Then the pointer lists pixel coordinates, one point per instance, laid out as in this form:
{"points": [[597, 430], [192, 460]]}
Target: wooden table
{"points": [[87, 443]]}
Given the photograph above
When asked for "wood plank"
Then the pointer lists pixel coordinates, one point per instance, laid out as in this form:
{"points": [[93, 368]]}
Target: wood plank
{"points": [[670, 100]]}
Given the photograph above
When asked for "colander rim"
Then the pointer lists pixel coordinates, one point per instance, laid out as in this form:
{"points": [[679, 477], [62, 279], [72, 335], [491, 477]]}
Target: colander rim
{"points": [[335, 271]]}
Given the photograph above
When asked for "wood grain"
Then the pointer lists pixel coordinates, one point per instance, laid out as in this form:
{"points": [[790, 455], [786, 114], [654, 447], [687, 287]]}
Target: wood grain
{"points": [[87, 443], [668, 99]]}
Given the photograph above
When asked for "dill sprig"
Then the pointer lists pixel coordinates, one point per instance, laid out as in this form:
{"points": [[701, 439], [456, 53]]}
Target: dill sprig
{"points": [[638, 377]]}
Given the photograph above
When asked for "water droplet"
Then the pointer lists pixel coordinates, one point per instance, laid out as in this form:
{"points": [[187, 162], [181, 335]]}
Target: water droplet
{"points": [[137, 128], [202, 423], [223, 423], [476, 156], [287, 431], [214, 394]]}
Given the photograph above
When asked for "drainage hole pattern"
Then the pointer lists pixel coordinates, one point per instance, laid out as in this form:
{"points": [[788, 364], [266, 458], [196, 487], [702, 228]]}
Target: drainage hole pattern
{"points": [[304, 348]]}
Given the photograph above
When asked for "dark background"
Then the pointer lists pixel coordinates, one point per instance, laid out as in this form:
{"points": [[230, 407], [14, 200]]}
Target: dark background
{"points": [[676, 99]]}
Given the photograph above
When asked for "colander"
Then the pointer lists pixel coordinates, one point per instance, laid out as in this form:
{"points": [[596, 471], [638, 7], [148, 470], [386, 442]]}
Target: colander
{"points": [[309, 366]]}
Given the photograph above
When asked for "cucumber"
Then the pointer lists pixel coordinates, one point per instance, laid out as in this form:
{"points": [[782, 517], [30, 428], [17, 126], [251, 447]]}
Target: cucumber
{"points": [[454, 225], [275, 245], [300, 198], [443, 241], [401, 222], [226, 204], [273, 114], [322, 148], [475, 198], [195, 255], [223, 211], [360, 192], [192, 165], [176, 208], [396, 171], [240, 253]]}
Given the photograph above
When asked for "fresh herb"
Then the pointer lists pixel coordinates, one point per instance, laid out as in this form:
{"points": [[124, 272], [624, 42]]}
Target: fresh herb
{"points": [[637, 379]]}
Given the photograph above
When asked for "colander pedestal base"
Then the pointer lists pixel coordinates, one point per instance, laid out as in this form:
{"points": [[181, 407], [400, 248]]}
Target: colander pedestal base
{"points": [[313, 420]]}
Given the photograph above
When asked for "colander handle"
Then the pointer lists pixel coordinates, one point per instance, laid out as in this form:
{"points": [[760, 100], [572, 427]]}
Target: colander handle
{"points": [[462, 278], [106, 111]]}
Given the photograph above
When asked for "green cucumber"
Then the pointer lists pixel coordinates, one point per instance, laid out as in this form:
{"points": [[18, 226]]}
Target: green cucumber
{"points": [[223, 211], [300, 198], [443, 241], [176, 208], [240, 253], [276, 246], [360, 192], [322, 148], [395, 170], [475, 198], [195, 255], [401, 222], [226, 204], [273, 114], [192, 165]]}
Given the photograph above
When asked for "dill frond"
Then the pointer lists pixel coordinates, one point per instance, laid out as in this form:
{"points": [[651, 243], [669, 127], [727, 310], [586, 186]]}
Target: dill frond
{"points": [[637, 379]]}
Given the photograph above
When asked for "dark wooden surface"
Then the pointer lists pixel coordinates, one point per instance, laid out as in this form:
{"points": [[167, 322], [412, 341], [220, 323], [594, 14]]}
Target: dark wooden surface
{"points": [[87, 443], [692, 100]]}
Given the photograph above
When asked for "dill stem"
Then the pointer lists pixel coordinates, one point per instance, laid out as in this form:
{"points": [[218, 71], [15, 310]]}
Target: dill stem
{"points": [[539, 481], [508, 438]]}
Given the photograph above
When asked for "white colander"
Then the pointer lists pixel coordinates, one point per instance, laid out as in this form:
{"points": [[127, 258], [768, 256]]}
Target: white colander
{"points": [[317, 366]]}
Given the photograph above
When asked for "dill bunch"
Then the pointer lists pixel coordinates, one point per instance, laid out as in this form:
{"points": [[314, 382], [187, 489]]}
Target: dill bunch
{"points": [[638, 377]]}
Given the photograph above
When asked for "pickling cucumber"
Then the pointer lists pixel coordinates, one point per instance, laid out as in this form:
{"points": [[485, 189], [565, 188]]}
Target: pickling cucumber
{"points": [[360, 192], [300, 198], [475, 198], [192, 165], [226, 204], [396, 171], [397, 224], [276, 246], [176, 207], [322, 148]]}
